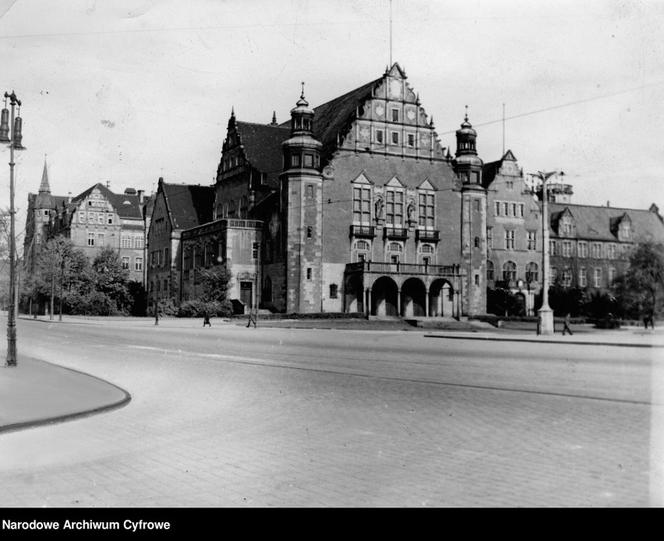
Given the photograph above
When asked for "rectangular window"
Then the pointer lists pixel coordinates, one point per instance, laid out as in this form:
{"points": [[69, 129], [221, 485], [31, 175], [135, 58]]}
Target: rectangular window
{"points": [[138, 242], [597, 277], [91, 239], [81, 217], [138, 263], [506, 209], [611, 251], [509, 184], [509, 239], [532, 240], [109, 218], [583, 282], [426, 208], [334, 291], [362, 205], [567, 249], [583, 249], [125, 242], [553, 274], [254, 250], [612, 275], [521, 208], [514, 211], [552, 247], [125, 263], [310, 190], [411, 140], [379, 136], [100, 218], [489, 237], [567, 278], [497, 208], [394, 208], [295, 160], [308, 273], [395, 115], [395, 137], [308, 160], [597, 250], [477, 205]]}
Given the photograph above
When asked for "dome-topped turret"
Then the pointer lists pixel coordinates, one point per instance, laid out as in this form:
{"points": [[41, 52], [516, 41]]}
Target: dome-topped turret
{"points": [[466, 137], [301, 150]]}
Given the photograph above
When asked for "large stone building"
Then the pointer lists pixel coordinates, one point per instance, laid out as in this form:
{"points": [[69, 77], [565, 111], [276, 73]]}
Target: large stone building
{"points": [[355, 206], [352, 206], [94, 219]]}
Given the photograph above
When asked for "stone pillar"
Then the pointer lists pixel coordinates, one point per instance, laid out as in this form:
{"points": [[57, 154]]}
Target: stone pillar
{"points": [[426, 301], [368, 302], [399, 301]]}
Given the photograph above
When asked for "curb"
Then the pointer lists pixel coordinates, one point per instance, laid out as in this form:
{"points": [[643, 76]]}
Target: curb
{"points": [[75, 415], [536, 341]]}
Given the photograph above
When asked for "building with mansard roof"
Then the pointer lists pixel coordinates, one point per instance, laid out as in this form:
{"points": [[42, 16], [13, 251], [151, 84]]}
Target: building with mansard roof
{"points": [[93, 219]]}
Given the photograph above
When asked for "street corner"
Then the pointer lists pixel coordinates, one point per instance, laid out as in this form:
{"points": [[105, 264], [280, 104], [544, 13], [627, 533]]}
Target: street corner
{"points": [[36, 392]]}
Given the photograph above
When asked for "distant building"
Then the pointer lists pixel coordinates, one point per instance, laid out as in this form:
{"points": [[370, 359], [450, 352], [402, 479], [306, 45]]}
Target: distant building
{"points": [[94, 219]]}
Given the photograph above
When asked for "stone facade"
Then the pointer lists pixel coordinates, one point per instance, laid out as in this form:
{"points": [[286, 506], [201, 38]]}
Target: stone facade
{"points": [[94, 219]]}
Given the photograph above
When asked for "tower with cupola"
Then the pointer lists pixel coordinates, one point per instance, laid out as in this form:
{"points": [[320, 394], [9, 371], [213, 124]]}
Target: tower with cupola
{"points": [[468, 167], [302, 199]]}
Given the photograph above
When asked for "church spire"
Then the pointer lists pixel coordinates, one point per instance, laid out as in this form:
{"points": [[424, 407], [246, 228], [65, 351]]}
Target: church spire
{"points": [[44, 186]]}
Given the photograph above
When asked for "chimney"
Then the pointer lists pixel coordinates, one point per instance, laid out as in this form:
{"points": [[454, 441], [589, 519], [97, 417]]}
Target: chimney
{"points": [[108, 184], [68, 197], [608, 203], [141, 196]]}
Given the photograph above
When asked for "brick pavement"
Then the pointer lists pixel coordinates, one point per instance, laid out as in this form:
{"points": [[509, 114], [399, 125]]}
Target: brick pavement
{"points": [[200, 432]]}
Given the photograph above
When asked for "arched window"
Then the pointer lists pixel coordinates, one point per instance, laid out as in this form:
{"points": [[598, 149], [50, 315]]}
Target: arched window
{"points": [[489, 270], [334, 291], [509, 271], [394, 250], [426, 249], [532, 272], [361, 251], [477, 242]]}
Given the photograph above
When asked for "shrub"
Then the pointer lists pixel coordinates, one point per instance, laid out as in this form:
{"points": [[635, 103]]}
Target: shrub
{"points": [[198, 308]]}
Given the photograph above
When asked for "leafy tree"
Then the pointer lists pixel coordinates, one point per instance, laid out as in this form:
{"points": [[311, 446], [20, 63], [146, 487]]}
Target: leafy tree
{"points": [[110, 284], [640, 288], [59, 264], [214, 283]]}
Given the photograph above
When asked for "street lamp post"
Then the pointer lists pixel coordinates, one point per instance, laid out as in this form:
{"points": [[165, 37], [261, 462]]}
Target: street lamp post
{"points": [[11, 133], [545, 313]]}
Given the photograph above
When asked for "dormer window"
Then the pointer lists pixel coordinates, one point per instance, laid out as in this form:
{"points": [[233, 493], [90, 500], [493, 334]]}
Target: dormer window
{"points": [[624, 231]]}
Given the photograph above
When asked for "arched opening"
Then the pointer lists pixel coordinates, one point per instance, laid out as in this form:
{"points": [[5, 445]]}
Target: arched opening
{"points": [[353, 294], [441, 299], [413, 298], [384, 297]]}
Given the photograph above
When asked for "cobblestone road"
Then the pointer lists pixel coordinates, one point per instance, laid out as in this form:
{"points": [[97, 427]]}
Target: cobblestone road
{"points": [[205, 430]]}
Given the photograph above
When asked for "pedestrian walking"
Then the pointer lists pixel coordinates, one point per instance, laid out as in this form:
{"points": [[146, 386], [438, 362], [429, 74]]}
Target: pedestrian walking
{"points": [[566, 325], [252, 319], [206, 319]]}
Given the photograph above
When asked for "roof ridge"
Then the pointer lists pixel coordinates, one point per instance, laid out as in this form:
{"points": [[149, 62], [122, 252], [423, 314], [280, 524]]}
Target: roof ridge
{"points": [[598, 206]]}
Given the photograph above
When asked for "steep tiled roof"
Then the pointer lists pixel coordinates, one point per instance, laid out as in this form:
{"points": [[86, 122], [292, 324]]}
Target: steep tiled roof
{"points": [[126, 205], [262, 146], [189, 205], [594, 223], [334, 117]]}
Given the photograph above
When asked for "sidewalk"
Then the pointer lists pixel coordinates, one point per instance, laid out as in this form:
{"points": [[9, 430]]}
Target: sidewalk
{"points": [[36, 392], [583, 335]]}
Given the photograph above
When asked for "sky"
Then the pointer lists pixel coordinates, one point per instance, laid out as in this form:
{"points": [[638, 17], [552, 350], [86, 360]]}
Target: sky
{"points": [[129, 91]]}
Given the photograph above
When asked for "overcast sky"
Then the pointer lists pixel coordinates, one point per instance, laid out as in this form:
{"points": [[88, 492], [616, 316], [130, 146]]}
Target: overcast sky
{"points": [[128, 91]]}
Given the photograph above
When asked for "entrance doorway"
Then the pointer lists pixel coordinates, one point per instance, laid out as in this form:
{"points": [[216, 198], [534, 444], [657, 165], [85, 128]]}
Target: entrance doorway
{"points": [[246, 295]]}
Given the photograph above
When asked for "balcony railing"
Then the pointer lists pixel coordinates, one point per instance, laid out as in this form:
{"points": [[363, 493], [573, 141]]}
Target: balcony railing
{"points": [[384, 267], [396, 233], [427, 235], [363, 231]]}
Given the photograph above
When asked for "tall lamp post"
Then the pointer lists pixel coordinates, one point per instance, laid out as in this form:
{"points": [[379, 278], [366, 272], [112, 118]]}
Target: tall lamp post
{"points": [[545, 313], [11, 133]]}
